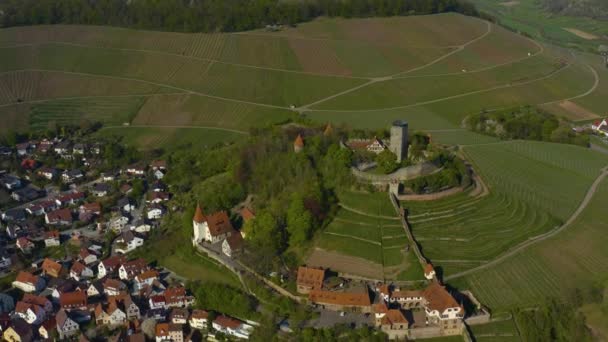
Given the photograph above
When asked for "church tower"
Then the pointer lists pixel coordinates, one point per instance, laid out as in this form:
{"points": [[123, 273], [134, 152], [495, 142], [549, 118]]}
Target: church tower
{"points": [[198, 225]]}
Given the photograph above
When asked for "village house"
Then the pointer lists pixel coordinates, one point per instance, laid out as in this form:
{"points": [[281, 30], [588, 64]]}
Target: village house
{"points": [[175, 297], [110, 265], [48, 173], [113, 287], [31, 313], [95, 289], [341, 301], [155, 212], [101, 189], [127, 242], [79, 148], [41, 301], [87, 257], [19, 331], [233, 245], [66, 327], [135, 170], [112, 315], [26, 194], [157, 197], [23, 149], [198, 319], [132, 268], [10, 182], [158, 186], [309, 279], [47, 328], [144, 279], [374, 145], [390, 321], [211, 228], [158, 174], [29, 164], [51, 268], [158, 165], [24, 244], [70, 176], [169, 332], [44, 146], [117, 223], [92, 208], [40, 208], [178, 316], [232, 327], [69, 199], [79, 271], [5, 151], [126, 303], [51, 238], [28, 282], [5, 261], [125, 205], [156, 302], [59, 217], [76, 300], [62, 147], [15, 214]]}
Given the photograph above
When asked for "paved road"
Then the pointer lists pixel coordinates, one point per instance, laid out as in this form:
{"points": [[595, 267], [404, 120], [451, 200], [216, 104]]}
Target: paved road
{"points": [[542, 237]]}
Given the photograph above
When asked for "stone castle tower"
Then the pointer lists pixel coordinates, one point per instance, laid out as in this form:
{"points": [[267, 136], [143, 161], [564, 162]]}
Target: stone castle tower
{"points": [[399, 139]]}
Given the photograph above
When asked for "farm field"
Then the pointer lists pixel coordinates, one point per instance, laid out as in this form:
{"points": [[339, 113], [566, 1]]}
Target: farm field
{"points": [[528, 16], [371, 233], [575, 257], [364, 72], [461, 232], [153, 138]]}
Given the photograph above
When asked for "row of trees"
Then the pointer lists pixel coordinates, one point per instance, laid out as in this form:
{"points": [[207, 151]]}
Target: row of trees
{"points": [[209, 15], [527, 123]]}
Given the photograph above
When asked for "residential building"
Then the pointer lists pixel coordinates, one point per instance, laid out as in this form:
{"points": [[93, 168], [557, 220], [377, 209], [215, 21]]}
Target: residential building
{"points": [[113, 287], [19, 331], [31, 313], [233, 245], [166, 332], [211, 228], [127, 242], [28, 282], [51, 238], [79, 271], [155, 212], [70, 176], [144, 279], [66, 327], [24, 244], [110, 265], [341, 301], [132, 268], [10, 182], [51, 268], [76, 300], [179, 316], [60, 217], [309, 279], [232, 327], [101, 189], [198, 319], [41, 301], [87, 257]]}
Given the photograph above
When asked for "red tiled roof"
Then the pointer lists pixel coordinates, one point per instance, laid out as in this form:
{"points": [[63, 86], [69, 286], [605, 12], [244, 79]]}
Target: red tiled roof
{"points": [[175, 294], [227, 322], [27, 278], [34, 299], [147, 275], [199, 314], [394, 317], [51, 267], [72, 299], [438, 298], [428, 268], [219, 223], [311, 277], [60, 215], [235, 241], [199, 217], [78, 267]]}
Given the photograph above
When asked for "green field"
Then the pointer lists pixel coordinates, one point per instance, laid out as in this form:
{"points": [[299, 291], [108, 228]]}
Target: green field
{"points": [[534, 187], [431, 70], [496, 331]]}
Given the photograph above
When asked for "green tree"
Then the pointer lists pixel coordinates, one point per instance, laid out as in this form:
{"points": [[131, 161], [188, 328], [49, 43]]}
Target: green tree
{"points": [[387, 161], [299, 221]]}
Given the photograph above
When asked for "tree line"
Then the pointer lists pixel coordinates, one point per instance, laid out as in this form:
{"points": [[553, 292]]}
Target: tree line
{"points": [[210, 15]]}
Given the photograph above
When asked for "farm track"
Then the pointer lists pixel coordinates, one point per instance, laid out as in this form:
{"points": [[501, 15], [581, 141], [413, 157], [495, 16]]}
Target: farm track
{"points": [[366, 214], [87, 97], [585, 202]]}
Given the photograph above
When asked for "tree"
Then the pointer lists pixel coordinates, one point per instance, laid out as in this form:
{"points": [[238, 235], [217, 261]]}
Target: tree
{"points": [[299, 221], [263, 232], [387, 161]]}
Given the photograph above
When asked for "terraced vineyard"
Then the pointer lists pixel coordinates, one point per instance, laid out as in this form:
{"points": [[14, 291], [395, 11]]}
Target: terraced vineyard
{"points": [[372, 233], [534, 187], [499, 331]]}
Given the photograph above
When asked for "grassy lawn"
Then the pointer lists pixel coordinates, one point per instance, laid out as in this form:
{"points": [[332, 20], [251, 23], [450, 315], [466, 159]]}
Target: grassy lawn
{"points": [[484, 331], [597, 319], [200, 268], [375, 204]]}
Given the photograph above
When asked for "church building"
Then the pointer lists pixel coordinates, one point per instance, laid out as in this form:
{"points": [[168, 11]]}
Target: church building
{"points": [[211, 228]]}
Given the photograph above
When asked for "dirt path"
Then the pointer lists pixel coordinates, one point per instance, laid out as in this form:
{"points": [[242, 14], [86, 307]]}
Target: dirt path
{"points": [[353, 237], [542, 237], [87, 97]]}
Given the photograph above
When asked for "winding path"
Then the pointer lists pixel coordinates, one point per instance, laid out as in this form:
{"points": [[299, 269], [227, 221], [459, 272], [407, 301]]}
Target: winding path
{"points": [[539, 238]]}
